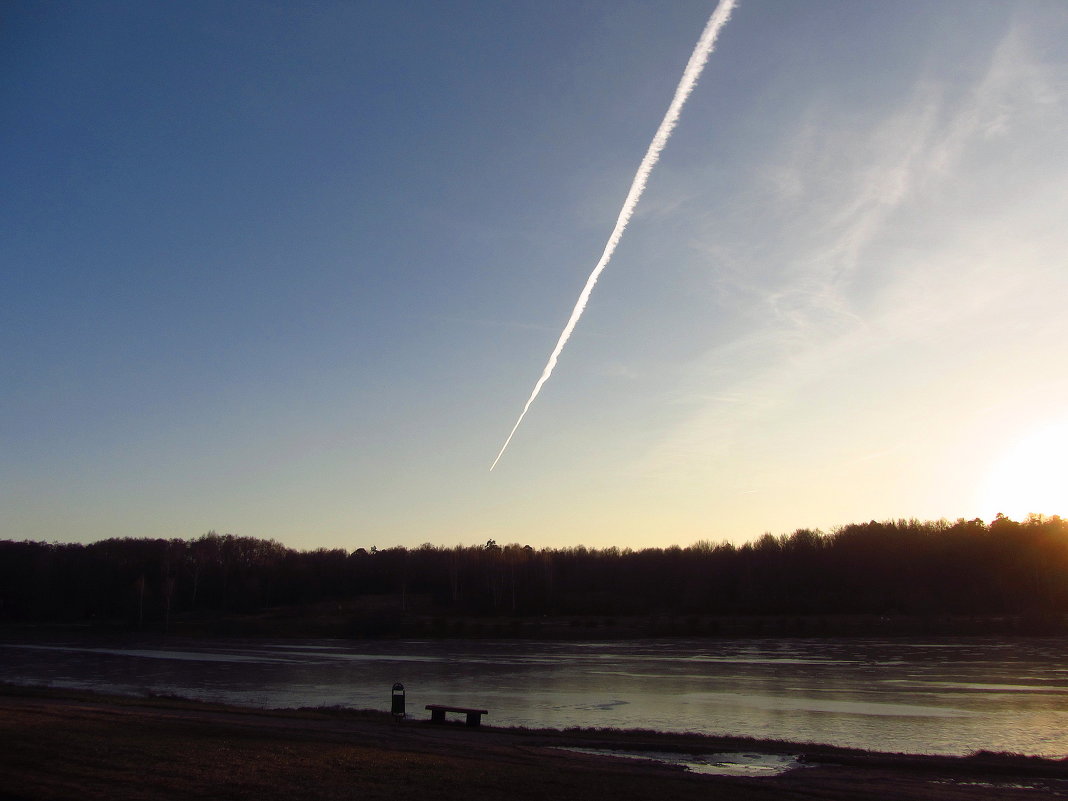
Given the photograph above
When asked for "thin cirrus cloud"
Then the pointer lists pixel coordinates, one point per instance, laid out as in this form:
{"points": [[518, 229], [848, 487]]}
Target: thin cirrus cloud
{"points": [[893, 238]]}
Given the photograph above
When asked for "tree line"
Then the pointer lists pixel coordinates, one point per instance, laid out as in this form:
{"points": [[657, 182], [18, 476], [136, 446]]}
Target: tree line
{"points": [[903, 567]]}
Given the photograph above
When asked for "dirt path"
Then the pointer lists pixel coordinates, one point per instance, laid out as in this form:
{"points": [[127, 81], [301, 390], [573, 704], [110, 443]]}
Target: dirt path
{"points": [[58, 745]]}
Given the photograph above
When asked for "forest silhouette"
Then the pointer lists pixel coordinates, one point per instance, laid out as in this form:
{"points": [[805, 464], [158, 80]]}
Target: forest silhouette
{"points": [[1008, 571]]}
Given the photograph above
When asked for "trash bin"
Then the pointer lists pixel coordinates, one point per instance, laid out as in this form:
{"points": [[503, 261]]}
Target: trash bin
{"points": [[397, 706]]}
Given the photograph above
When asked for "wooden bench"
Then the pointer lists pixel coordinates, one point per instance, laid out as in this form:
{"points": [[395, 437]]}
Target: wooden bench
{"points": [[437, 713]]}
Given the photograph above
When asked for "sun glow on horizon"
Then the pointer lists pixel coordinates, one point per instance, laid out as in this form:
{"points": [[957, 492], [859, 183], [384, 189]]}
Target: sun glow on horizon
{"points": [[1032, 476]]}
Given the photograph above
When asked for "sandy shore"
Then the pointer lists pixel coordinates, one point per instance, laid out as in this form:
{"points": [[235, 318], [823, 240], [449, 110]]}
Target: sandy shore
{"points": [[74, 745]]}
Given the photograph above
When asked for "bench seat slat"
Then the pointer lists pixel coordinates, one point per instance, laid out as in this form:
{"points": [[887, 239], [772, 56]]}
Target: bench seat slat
{"points": [[463, 709]]}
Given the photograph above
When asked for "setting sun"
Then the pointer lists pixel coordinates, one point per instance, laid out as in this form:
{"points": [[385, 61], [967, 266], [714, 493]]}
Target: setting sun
{"points": [[1031, 476]]}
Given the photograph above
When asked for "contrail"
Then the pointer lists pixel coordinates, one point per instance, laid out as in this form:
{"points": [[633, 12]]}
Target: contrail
{"points": [[696, 64]]}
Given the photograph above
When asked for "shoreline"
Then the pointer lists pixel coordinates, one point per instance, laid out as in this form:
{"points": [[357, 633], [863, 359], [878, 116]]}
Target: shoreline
{"points": [[356, 621], [859, 695], [79, 744]]}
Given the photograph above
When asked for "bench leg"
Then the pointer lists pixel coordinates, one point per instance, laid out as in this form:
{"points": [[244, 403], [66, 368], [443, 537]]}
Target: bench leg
{"points": [[437, 715], [474, 718]]}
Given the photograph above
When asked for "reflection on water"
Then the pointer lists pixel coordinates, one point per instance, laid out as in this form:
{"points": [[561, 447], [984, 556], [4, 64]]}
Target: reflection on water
{"points": [[880, 694], [734, 764]]}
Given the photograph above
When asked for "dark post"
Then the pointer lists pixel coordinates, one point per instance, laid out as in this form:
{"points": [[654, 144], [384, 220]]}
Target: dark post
{"points": [[398, 701]]}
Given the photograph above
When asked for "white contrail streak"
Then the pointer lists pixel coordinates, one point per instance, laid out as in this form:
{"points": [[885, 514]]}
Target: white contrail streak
{"points": [[696, 64]]}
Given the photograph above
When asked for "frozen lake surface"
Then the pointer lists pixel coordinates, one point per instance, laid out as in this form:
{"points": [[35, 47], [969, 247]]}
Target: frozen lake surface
{"points": [[888, 695]]}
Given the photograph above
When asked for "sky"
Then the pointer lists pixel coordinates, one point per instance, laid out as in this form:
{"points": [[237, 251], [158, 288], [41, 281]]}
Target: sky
{"points": [[290, 270]]}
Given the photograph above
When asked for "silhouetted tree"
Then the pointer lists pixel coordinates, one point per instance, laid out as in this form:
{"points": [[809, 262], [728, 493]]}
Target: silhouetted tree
{"points": [[902, 567]]}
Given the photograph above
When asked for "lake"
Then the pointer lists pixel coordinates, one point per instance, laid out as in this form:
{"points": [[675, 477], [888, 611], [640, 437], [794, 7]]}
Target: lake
{"points": [[889, 695]]}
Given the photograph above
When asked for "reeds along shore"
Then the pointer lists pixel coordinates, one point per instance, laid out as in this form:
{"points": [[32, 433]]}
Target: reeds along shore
{"points": [[373, 619], [60, 745]]}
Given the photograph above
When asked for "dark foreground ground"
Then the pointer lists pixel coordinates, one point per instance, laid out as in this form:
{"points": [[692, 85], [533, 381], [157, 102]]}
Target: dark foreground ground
{"points": [[71, 745]]}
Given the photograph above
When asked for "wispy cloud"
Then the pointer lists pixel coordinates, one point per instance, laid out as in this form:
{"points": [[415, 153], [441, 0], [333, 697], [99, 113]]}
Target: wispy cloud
{"points": [[891, 230]]}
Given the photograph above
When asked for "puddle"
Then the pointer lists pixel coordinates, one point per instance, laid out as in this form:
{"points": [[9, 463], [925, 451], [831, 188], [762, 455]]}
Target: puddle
{"points": [[725, 764], [1046, 786]]}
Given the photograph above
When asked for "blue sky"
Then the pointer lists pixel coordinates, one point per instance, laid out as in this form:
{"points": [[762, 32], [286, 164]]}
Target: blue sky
{"points": [[291, 270]]}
